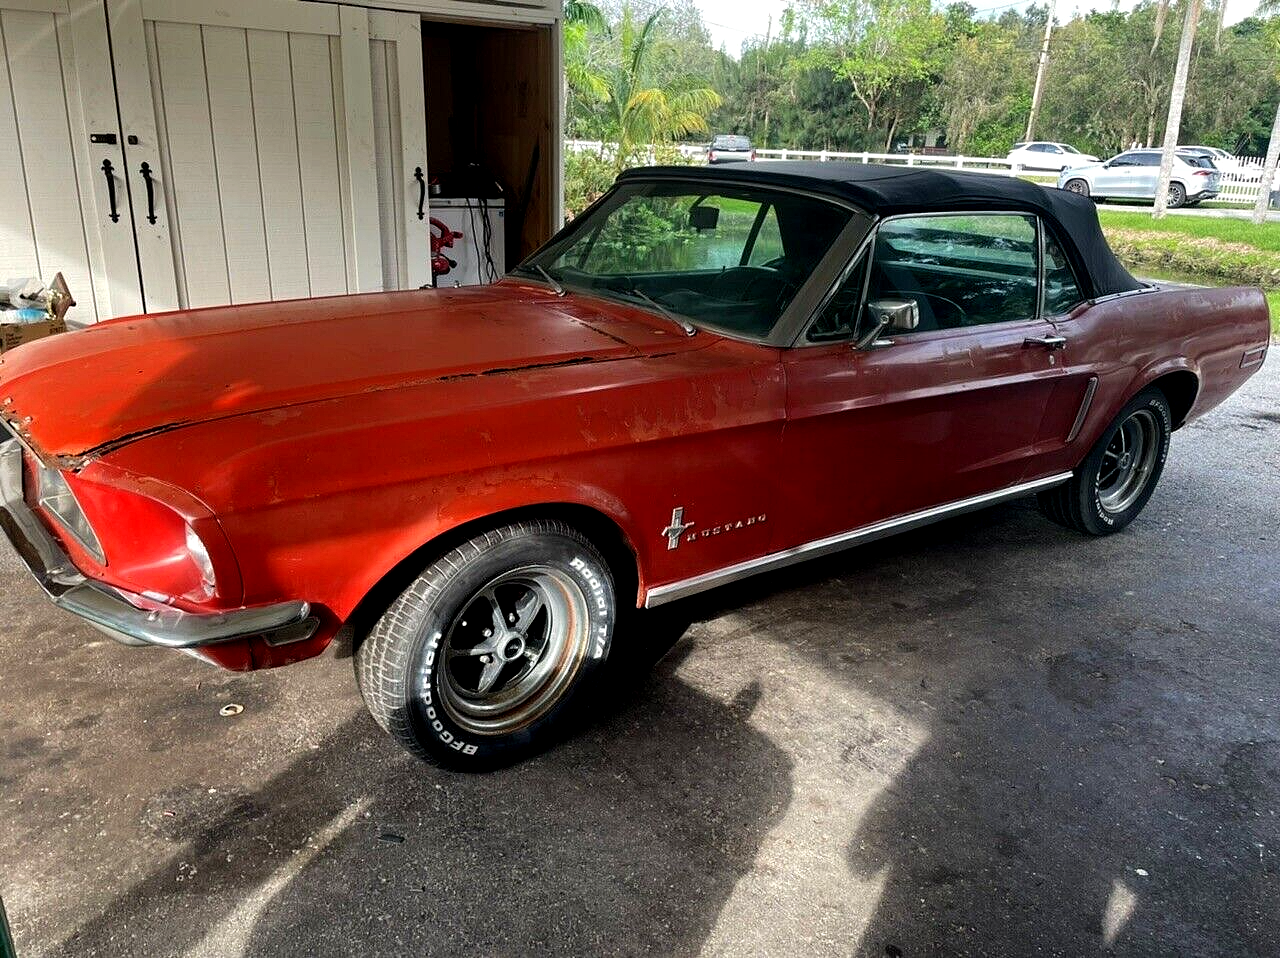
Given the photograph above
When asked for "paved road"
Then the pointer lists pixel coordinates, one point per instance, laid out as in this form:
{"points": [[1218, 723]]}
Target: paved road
{"points": [[993, 737]]}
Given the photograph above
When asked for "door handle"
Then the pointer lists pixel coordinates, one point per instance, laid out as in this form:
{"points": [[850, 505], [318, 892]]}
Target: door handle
{"points": [[422, 189], [111, 190], [151, 192], [1047, 342]]}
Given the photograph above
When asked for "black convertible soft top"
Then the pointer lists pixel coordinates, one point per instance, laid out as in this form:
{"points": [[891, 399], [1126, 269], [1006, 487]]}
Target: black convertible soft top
{"points": [[884, 190]]}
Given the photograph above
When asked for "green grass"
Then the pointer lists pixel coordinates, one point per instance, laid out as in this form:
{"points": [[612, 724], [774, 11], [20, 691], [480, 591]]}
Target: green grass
{"points": [[1265, 236], [1218, 251]]}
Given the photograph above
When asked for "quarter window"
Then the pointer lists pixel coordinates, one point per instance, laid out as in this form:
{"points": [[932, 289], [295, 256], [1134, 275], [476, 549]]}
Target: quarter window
{"points": [[1061, 291]]}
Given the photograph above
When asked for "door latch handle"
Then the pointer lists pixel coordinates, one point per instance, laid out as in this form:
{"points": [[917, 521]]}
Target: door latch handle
{"points": [[109, 172], [422, 190], [1048, 342], [151, 192]]}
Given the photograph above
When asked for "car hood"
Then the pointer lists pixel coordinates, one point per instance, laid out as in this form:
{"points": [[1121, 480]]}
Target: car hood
{"points": [[80, 394]]}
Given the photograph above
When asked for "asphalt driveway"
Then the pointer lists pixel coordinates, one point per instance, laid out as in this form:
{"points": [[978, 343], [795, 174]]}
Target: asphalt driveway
{"points": [[992, 737]]}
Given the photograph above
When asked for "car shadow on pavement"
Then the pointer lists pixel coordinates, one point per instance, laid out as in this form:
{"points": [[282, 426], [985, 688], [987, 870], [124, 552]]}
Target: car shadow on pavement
{"points": [[1099, 769], [626, 839]]}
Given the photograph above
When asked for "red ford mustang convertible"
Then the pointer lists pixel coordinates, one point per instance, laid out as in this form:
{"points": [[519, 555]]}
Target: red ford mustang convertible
{"points": [[709, 374]]}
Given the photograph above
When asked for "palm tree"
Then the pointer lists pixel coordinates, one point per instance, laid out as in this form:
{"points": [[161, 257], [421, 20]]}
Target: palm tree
{"points": [[1176, 97], [642, 108], [581, 19], [1268, 8]]}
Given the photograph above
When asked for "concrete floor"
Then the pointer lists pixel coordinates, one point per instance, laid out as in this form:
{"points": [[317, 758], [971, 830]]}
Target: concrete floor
{"points": [[992, 737]]}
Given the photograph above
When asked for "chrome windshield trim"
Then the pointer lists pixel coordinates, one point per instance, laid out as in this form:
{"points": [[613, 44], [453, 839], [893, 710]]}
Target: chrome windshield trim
{"points": [[660, 595], [126, 617]]}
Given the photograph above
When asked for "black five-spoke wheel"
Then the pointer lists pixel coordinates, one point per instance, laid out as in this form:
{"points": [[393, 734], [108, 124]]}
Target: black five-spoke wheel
{"points": [[1120, 473], [490, 648]]}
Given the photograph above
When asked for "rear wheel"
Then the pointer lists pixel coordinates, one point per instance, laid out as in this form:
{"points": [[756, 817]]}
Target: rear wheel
{"points": [[1077, 186], [1120, 473], [486, 654], [1177, 195]]}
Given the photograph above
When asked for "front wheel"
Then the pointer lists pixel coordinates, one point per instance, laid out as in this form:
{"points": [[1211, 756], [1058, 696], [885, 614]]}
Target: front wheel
{"points": [[483, 657], [1077, 186], [1120, 472]]}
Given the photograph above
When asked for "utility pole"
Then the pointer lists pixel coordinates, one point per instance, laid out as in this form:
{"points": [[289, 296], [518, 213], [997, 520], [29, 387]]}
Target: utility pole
{"points": [[1268, 172], [1177, 95], [1039, 87]]}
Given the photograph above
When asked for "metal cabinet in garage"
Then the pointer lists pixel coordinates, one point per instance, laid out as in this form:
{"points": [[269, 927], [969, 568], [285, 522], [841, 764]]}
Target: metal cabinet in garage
{"points": [[176, 153]]}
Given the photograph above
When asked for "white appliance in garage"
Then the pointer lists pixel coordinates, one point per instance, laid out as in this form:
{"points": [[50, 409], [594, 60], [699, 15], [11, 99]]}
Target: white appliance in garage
{"points": [[480, 251]]}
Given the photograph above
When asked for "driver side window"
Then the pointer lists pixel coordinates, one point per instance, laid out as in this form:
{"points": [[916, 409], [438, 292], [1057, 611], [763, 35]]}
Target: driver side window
{"points": [[963, 270]]}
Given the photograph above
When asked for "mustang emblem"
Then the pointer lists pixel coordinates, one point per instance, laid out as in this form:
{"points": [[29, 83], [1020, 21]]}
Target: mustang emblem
{"points": [[677, 528]]}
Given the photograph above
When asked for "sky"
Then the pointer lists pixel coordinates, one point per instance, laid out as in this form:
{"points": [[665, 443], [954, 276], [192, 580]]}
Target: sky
{"points": [[733, 21]]}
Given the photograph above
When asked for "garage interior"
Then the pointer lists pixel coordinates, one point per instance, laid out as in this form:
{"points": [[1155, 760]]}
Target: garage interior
{"points": [[490, 106]]}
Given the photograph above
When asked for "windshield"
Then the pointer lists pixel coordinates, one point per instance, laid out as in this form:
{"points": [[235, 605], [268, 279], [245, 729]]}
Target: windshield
{"points": [[1068, 147], [728, 257]]}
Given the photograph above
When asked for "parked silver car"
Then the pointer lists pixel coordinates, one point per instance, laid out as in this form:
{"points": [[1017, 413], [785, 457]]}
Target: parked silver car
{"points": [[1132, 175], [730, 148]]}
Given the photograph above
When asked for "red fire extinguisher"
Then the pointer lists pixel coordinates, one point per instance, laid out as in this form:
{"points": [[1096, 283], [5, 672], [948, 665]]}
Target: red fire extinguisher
{"points": [[442, 238]]}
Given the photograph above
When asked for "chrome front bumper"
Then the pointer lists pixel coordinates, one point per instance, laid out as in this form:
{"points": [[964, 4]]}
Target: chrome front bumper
{"points": [[117, 612]]}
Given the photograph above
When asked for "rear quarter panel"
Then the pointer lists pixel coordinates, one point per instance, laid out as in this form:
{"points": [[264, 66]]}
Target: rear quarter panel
{"points": [[1130, 341]]}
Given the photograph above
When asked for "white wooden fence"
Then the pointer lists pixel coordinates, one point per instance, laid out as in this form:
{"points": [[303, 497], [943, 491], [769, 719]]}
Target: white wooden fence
{"points": [[1237, 186]]}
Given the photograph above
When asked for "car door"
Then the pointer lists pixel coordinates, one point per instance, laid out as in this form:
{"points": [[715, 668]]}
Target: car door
{"points": [[1116, 177], [927, 417], [1144, 175]]}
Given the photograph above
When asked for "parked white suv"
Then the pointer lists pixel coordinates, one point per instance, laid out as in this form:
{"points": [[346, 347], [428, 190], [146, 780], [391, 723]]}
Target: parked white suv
{"points": [[1224, 161], [1043, 155], [1132, 175]]}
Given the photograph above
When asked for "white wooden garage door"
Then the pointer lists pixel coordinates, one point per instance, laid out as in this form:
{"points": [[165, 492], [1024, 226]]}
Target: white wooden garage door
{"points": [[52, 218], [257, 121], [254, 150]]}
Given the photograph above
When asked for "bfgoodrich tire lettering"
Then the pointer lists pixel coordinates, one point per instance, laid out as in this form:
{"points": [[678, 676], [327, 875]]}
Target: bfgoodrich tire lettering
{"points": [[488, 652], [1120, 472]]}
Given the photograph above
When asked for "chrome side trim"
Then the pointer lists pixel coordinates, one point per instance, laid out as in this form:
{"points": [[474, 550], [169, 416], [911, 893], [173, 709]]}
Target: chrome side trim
{"points": [[126, 617], [660, 595], [1085, 403]]}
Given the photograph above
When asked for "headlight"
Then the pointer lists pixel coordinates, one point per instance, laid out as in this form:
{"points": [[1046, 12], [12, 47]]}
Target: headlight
{"points": [[143, 535], [57, 499]]}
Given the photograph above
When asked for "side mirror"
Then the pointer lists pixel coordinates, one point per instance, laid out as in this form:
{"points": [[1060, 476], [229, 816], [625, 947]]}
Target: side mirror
{"points": [[895, 315], [888, 315], [704, 217]]}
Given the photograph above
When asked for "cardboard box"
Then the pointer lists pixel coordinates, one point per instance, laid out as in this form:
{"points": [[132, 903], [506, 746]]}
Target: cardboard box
{"points": [[15, 334]]}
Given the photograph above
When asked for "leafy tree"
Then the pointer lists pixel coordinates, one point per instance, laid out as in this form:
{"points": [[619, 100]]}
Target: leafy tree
{"points": [[645, 107], [881, 48], [862, 74]]}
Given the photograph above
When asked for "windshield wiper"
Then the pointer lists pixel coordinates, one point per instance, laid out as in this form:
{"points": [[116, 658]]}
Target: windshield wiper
{"points": [[688, 327], [551, 280]]}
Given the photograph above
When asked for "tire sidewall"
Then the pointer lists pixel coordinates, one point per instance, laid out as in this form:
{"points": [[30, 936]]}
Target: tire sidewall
{"points": [[432, 726], [1177, 196], [1083, 189], [1097, 516]]}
